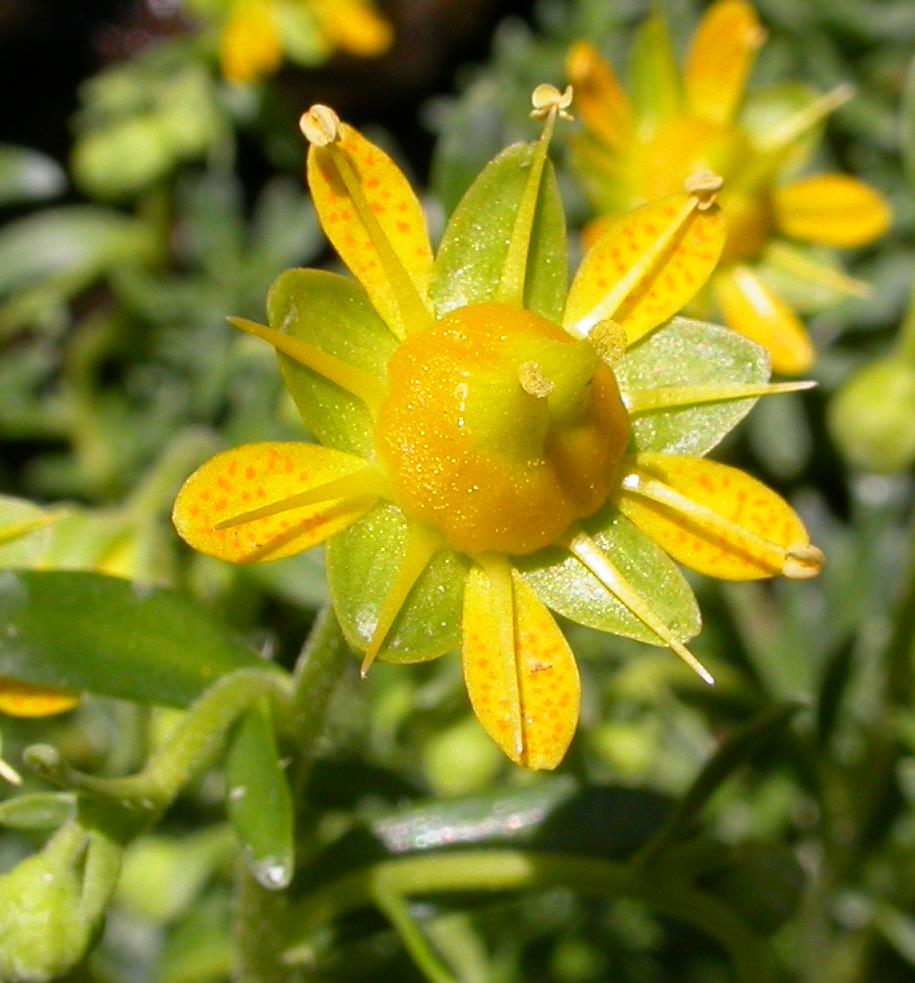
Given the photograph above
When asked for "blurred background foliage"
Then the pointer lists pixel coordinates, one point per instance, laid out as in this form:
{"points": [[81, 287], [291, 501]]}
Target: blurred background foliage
{"points": [[143, 199]]}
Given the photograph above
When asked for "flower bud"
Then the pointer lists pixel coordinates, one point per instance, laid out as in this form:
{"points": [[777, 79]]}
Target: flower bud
{"points": [[872, 418]]}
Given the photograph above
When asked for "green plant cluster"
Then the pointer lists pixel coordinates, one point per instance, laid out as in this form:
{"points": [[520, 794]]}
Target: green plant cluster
{"points": [[229, 801]]}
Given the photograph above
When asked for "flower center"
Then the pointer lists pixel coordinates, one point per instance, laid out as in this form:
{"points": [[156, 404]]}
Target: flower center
{"points": [[500, 429]]}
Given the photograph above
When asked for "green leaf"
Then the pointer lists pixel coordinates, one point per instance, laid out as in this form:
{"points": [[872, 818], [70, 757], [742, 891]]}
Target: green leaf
{"points": [[334, 314], [80, 240], [362, 563], [26, 175], [655, 85], [468, 267], [83, 631], [259, 801], [38, 811], [690, 353], [566, 586], [25, 532]]}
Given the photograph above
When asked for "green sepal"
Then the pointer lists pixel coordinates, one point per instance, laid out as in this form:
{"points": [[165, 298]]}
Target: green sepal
{"points": [[259, 800], [82, 631], [655, 82], [566, 586], [468, 267], [332, 313], [362, 563], [690, 353]]}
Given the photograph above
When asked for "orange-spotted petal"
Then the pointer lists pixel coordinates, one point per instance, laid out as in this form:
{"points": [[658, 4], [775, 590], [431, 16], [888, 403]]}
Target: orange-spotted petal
{"points": [[751, 309], [519, 670], [720, 58], [716, 519], [250, 47], [25, 700], [600, 100], [375, 221], [272, 500], [833, 209], [647, 265], [353, 26]]}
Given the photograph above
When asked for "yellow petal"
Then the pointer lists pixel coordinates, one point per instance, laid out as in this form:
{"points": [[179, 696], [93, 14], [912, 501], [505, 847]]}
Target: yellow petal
{"points": [[520, 672], [720, 58], [599, 98], [25, 700], [353, 26], [256, 476], [646, 266], [832, 209], [369, 212], [250, 47], [715, 519], [751, 309]]}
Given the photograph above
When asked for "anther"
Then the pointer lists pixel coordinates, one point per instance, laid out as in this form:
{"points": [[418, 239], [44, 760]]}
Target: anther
{"points": [[802, 562], [533, 381], [705, 185], [320, 126], [545, 98], [609, 340]]}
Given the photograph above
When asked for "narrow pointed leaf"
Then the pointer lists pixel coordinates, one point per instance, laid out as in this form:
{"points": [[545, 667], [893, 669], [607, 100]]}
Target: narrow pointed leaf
{"points": [[728, 492], [472, 253], [362, 564], [26, 531], [566, 586], [85, 632], [690, 353], [256, 475], [333, 314], [833, 209], [259, 802]]}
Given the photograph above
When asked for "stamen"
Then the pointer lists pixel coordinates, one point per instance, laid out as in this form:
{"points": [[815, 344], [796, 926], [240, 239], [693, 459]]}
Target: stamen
{"points": [[587, 552], [320, 126], [666, 397], [609, 340], [705, 185], [422, 545], [359, 383], [533, 381], [809, 117], [548, 103], [366, 483], [793, 261], [800, 561]]}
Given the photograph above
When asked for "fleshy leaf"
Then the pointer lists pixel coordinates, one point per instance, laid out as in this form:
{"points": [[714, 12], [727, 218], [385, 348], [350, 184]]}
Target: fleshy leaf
{"points": [[689, 353], [26, 700], [566, 586], [472, 253], [38, 810], [751, 309], [720, 58], [520, 672], [238, 481], [259, 801], [392, 204], [833, 209], [646, 266], [333, 314], [732, 494], [83, 631], [600, 100], [654, 76], [362, 564]]}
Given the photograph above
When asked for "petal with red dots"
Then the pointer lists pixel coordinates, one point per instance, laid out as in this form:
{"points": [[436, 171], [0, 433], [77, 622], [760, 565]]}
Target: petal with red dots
{"points": [[738, 530], [258, 476], [520, 673], [375, 221], [646, 266]]}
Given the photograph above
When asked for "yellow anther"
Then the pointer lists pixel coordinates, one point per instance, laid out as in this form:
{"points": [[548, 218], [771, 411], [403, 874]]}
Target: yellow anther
{"points": [[320, 126], [705, 185], [545, 98], [609, 340], [533, 381], [802, 562]]}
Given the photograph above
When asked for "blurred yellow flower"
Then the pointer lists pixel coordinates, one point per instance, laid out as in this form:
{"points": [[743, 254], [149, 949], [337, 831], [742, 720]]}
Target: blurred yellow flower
{"points": [[640, 145]]}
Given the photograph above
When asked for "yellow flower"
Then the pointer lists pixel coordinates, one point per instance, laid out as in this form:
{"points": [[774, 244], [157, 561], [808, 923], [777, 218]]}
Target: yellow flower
{"points": [[641, 145], [257, 33], [496, 442]]}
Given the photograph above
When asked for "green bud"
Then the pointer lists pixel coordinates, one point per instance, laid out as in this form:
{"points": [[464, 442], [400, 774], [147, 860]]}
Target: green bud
{"points": [[44, 930], [872, 418]]}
